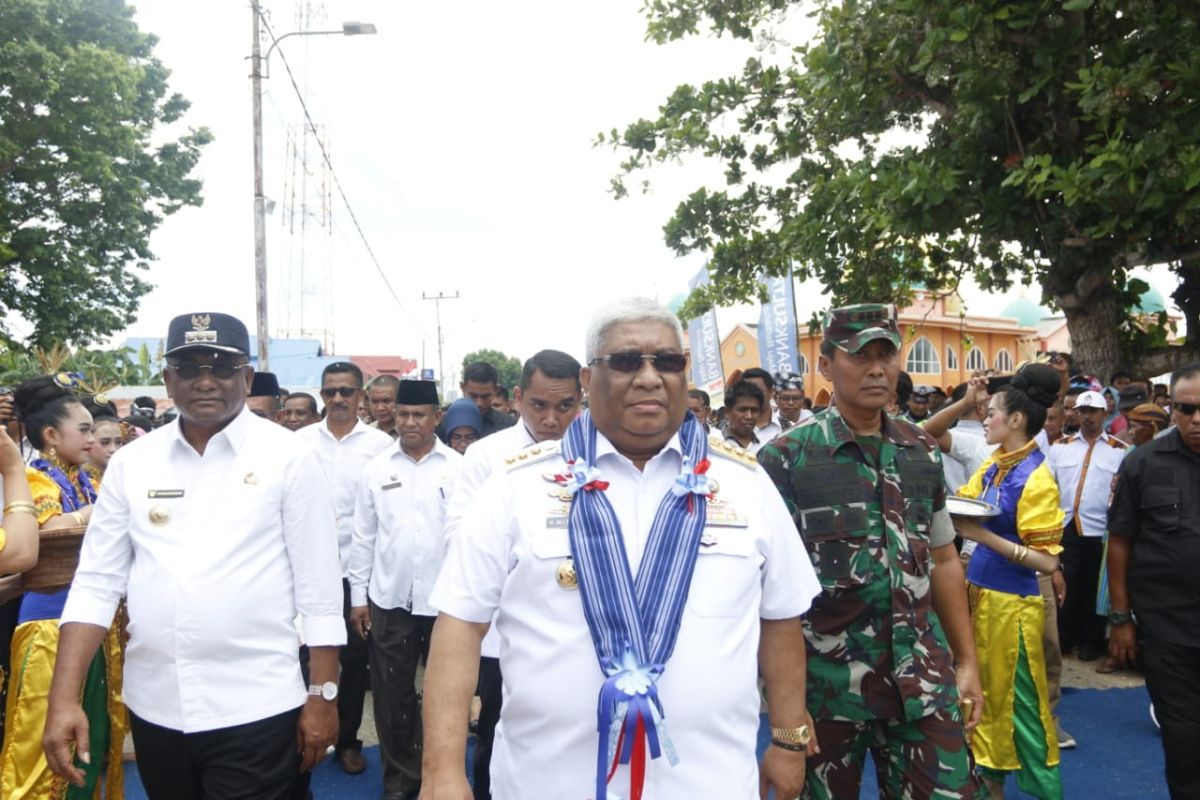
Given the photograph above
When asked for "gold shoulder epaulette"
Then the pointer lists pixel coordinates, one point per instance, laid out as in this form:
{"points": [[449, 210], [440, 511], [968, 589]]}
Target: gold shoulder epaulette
{"points": [[719, 446], [1117, 443], [1066, 439], [532, 454]]}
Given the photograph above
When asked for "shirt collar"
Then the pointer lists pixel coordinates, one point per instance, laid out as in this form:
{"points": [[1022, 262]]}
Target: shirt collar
{"points": [[605, 448], [234, 433], [359, 427], [839, 433], [439, 449], [1005, 459]]}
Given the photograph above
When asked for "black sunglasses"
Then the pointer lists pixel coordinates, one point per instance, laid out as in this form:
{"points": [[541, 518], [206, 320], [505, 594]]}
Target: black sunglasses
{"points": [[222, 370], [1187, 409], [345, 391], [664, 363]]}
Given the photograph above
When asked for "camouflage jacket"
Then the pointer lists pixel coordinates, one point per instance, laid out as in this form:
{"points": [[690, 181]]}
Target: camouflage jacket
{"points": [[876, 649]]}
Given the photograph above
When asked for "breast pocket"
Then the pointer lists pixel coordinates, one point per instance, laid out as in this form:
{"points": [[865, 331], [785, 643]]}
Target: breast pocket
{"points": [[725, 575], [553, 572], [1160, 508], [837, 542]]}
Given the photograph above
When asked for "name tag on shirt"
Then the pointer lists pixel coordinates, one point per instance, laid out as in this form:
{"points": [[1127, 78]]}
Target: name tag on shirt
{"points": [[164, 494], [394, 485], [723, 515]]}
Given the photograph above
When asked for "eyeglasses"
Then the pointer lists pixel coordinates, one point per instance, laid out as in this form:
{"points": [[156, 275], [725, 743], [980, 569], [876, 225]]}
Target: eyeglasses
{"points": [[221, 370], [346, 392], [664, 363], [1187, 409]]}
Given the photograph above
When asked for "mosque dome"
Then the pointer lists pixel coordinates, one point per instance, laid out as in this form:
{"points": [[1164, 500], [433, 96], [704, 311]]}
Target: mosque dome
{"points": [[676, 302], [1151, 302], [1025, 311]]}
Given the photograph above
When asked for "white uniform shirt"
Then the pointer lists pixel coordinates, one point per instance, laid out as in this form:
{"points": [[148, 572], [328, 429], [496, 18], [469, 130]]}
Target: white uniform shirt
{"points": [[482, 459], [968, 450], [1075, 463], [399, 528], [766, 433], [344, 462], [551, 676], [218, 554]]}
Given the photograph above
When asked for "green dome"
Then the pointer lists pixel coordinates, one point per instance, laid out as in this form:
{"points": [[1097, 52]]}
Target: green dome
{"points": [[1025, 311], [1152, 302], [674, 304]]}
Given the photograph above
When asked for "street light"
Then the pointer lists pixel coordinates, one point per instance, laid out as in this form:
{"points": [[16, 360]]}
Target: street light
{"points": [[259, 61]]}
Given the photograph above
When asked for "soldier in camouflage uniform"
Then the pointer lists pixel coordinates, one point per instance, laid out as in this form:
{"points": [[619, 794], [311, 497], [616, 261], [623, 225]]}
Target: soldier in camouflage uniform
{"points": [[866, 493]]}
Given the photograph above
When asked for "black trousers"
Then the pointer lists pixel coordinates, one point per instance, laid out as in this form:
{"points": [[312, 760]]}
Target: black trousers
{"points": [[8, 626], [1078, 622], [1173, 679], [491, 695], [255, 761], [352, 685], [399, 640]]}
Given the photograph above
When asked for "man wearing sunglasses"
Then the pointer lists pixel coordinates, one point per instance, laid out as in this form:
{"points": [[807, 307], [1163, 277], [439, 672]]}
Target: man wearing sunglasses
{"points": [[1153, 563], [552, 545], [234, 535], [344, 446]]}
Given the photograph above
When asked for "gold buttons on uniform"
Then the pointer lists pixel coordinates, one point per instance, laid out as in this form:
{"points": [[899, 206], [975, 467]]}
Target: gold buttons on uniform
{"points": [[160, 515], [565, 575]]}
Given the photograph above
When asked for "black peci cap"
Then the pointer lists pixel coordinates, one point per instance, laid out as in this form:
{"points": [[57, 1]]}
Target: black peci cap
{"points": [[213, 331]]}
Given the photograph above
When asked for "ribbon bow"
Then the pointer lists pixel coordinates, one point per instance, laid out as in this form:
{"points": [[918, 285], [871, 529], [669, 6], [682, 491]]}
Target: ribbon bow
{"points": [[631, 718], [692, 481], [583, 476]]}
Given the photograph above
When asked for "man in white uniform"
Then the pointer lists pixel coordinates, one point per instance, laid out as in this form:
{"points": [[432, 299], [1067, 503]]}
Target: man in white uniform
{"points": [[721, 584], [399, 543], [344, 445], [548, 397], [219, 530]]}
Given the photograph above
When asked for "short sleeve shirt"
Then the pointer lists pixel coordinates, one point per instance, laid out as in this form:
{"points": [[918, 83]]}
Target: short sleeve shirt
{"points": [[868, 516], [1156, 504]]}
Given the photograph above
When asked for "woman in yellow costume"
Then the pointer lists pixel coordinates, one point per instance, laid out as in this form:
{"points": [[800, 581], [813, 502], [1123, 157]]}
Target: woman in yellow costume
{"points": [[1016, 733], [60, 427]]}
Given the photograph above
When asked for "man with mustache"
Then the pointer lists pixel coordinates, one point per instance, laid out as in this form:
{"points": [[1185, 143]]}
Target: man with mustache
{"points": [[344, 445], [867, 496]]}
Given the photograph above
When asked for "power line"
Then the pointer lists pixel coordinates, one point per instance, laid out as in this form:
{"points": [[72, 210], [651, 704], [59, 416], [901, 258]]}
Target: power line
{"points": [[336, 181]]}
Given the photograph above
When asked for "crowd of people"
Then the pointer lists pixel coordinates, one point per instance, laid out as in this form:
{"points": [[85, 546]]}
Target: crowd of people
{"points": [[604, 577]]}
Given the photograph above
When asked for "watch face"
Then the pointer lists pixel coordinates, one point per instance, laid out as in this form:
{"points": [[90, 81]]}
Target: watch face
{"points": [[329, 691]]}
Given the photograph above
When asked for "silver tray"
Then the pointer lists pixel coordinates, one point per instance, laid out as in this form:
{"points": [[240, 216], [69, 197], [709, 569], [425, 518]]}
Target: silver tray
{"points": [[966, 507]]}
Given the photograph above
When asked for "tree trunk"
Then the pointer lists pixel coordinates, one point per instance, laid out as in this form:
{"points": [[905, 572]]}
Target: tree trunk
{"points": [[1094, 326]]}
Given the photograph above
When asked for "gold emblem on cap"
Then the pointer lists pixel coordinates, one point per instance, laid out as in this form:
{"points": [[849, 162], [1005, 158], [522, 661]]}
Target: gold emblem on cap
{"points": [[160, 515], [201, 322], [251, 479], [565, 575]]}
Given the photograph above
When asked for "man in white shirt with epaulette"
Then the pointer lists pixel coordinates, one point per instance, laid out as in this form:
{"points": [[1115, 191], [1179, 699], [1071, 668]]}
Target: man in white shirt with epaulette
{"points": [[1085, 465], [642, 579], [548, 398], [345, 445], [219, 530], [399, 543]]}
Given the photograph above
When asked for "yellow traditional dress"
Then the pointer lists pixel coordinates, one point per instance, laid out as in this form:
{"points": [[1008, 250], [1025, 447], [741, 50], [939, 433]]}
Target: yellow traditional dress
{"points": [[24, 773], [1017, 732]]}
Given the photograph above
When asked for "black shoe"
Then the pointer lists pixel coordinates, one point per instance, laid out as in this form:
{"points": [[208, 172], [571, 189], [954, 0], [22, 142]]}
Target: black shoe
{"points": [[1090, 652]]}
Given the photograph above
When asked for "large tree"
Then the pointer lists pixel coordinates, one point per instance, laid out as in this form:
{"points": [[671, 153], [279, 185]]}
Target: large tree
{"points": [[922, 141], [508, 367], [84, 180]]}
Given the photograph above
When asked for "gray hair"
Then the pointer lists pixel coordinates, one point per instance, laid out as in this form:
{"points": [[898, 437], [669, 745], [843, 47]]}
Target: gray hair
{"points": [[629, 309]]}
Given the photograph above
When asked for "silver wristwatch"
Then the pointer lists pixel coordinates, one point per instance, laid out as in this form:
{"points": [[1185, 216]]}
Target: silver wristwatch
{"points": [[326, 691]]}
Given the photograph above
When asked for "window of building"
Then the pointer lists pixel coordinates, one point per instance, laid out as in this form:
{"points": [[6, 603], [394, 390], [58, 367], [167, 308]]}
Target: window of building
{"points": [[922, 358], [976, 360], [803, 364], [951, 357], [1004, 362], [739, 349]]}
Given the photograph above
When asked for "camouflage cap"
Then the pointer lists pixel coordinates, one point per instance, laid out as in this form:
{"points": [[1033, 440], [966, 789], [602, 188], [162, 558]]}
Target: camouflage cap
{"points": [[852, 328]]}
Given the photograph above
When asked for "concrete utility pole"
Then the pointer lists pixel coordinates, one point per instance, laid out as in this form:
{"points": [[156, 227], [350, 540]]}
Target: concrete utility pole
{"points": [[260, 216], [437, 302]]}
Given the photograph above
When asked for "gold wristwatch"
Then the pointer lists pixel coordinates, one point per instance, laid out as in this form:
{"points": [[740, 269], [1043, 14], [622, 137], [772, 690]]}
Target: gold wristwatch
{"points": [[801, 736]]}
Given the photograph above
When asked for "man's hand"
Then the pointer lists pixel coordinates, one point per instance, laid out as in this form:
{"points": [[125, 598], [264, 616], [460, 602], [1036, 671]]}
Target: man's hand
{"points": [[448, 787], [360, 620], [781, 770], [316, 731], [1058, 582], [1122, 644], [66, 733], [969, 689]]}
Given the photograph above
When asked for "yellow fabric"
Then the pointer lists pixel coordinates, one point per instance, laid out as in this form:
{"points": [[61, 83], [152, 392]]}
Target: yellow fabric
{"points": [[1002, 621], [1039, 517], [47, 497], [3, 538], [24, 773]]}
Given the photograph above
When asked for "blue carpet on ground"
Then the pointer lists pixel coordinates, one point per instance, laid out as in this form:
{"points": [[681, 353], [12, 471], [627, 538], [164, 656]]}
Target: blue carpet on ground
{"points": [[1119, 755]]}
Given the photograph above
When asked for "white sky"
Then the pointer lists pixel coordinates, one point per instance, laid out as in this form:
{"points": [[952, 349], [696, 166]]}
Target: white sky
{"points": [[462, 134]]}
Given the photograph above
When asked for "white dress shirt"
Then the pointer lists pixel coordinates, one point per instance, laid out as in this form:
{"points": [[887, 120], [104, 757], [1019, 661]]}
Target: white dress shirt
{"points": [[1077, 464], [218, 554], [344, 462], [968, 450], [482, 459], [400, 528], [507, 564], [766, 433]]}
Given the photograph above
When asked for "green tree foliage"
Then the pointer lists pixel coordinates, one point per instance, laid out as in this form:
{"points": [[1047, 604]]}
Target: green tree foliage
{"points": [[100, 369], [84, 180], [509, 367], [906, 141]]}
